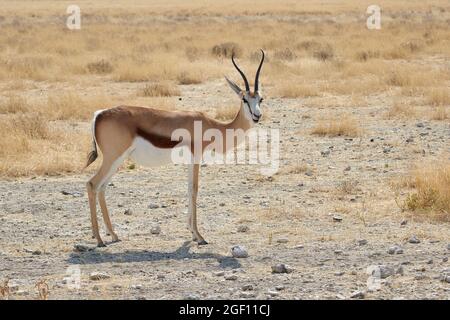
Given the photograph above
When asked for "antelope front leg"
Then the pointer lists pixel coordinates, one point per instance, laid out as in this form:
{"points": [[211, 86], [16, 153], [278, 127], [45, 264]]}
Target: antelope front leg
{"points": [[193, 190]]}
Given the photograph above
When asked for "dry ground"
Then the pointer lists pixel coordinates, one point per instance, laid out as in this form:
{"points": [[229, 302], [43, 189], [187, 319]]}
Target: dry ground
{"points": [[364, 129]]}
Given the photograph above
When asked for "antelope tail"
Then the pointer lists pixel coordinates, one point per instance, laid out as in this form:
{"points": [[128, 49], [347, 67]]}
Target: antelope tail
{"points": [[93, 154]]}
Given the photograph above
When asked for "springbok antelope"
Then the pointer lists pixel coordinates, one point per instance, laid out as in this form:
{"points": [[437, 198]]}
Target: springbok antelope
{"points": [[145, 135]]}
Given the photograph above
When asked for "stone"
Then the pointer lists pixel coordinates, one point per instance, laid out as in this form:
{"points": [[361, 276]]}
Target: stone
{"points": [[156, 229], [242, 228], [153, 206], [191, 296], [247, 287], [239, 252], [273, 293], [231, 277], [358, 295], [395, 250], [282, 240], [95, 276], [279, 287], [404, 222], [414, 240], [281, 268], [247, 294], [80, 248], [337, 218], [219, 273], [128, 212], [362, 242]]}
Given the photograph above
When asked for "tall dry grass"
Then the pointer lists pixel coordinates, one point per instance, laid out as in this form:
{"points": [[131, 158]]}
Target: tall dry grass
{"points": [[431, 182]]}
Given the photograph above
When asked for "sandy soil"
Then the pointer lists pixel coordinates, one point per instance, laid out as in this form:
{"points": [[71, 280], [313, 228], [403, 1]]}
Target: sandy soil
{"points": [[290, 219]]}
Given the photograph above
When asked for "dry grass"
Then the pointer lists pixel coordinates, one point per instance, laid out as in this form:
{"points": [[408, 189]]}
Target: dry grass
{"points": [[296, 90], [342, 126], [14, 104], [160, 90], [439, 97], [226, 113], [183, 43], [432, 196]]}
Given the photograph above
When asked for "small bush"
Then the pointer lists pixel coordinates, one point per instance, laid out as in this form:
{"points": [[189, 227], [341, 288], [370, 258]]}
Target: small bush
{"points": [[159, 90], [343, 126], [226, 50], [324, 53], [100, 67], [14, 104], [186, 77], [285, 54]]}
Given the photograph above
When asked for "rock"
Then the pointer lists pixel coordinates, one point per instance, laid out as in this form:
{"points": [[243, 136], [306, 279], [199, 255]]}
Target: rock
{"points": [[191, 296], [337, 218], [95, 276], [155, 229], [239, 252], [128, 212], [219, 273], [325, 153], [242, 228], [36, 253], [273, 293], [358, 295], [348, 168], [445, 275], [136, 286], [409, 140], [281, 268], [381, 271], [414, 240], [72, 193], [247, 287], [404, 222], [362, 242], [80, 248], [279, 287], [231, 277], [339, 273], [419, 125], [247, 294], [448, 246], [395, 250], [282, 240], [153, 206]]}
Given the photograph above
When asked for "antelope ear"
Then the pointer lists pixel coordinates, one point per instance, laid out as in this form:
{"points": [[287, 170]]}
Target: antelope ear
{"points": [[234, 86]]}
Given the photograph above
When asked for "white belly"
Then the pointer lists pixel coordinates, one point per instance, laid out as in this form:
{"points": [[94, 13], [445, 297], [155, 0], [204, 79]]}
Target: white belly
{"points": [[146, 154]]}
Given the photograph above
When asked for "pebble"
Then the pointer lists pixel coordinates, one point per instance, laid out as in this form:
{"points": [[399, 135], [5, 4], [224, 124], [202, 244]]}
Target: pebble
{"points": [[404, 222], [337, 218], [128, 212], [414, 240], [94, 276], [155, 229], [153, 206], [36, 253], [247, 294], [242, 228], [273, 293], [191, 296], [136, 286], [231, 277], [247, 287], [358, 295], [239, 252], [381, 271], [281, 268], [219, 273], [362, 242], [80, 248], [279, 287], [282, 240], [395, 250]]}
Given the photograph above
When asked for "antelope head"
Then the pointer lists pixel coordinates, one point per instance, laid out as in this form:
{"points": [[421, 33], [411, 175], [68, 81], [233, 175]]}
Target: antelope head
{"points": [[250, 100]]}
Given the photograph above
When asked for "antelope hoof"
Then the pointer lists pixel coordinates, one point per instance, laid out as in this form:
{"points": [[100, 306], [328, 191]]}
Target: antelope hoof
{"points": [[202, 242], [115, 239], [101, 244]]}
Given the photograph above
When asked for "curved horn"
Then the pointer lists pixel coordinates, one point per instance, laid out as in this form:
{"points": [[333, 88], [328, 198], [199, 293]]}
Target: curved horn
{"points": [[247, 87], [257, 72]]}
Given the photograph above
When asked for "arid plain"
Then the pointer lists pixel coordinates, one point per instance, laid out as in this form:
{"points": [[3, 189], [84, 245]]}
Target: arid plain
{"points": [[364, 178]]}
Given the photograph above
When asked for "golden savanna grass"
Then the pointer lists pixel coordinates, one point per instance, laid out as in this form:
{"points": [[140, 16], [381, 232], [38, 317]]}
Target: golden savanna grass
{"points": [[431, 182], [343, 125], [317, 50]]}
